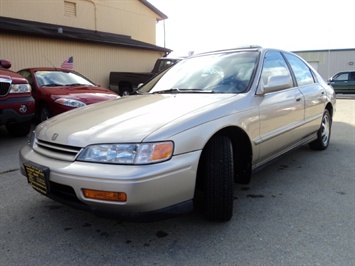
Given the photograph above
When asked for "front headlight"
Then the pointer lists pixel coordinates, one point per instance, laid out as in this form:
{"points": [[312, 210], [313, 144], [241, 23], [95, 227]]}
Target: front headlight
{"points": [[70, 102], [20, 88], [140, 153]]}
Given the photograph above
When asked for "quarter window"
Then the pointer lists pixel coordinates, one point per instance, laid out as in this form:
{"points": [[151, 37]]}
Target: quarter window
{"points": [[302, 73]]}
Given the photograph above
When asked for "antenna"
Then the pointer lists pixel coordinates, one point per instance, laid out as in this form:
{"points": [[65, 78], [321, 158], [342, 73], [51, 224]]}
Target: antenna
{"points": [[49, 62]]}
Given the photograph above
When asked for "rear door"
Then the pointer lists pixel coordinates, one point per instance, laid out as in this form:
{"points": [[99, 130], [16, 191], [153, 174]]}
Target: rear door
{"points": [[313, 92]]}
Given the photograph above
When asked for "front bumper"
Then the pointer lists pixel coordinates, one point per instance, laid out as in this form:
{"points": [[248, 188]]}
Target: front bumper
{"points": [[153, 191], [10, 110]]}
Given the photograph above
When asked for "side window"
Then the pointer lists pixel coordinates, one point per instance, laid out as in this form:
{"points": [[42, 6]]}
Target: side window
{"points": [[352, 76], [274, 65], [302, 72], [342, 77], [26, 74]]}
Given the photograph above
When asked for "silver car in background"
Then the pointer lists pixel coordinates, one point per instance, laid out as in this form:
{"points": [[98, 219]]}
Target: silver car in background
{"points": [[184, 138]]}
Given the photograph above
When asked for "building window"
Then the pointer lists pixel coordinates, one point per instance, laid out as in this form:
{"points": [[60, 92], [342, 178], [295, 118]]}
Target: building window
{"points": [[69, 9]]}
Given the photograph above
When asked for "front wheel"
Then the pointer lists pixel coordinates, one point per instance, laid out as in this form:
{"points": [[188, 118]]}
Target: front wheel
{"points": [[323, 134], [217, 178], [44, 113]]}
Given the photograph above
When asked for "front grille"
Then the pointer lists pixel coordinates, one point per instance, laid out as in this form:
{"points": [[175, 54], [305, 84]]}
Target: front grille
{"points": [[56, 151], [4, 88]]}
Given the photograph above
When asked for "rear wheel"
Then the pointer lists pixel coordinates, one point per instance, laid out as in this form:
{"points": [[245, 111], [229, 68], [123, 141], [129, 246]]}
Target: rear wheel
{"points": [[125, 88], [323, 134], [217, 178]]}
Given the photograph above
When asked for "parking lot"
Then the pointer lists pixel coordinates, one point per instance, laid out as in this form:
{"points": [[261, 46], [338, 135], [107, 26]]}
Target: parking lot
{"points": [[298, 211]]}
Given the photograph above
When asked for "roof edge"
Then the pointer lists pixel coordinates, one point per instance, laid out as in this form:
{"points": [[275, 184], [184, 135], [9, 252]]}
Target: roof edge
{"points": [[53, 31], [154, 9], [325, 50]]}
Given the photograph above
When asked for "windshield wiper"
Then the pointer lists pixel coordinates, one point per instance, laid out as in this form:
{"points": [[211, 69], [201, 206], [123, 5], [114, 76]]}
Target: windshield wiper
{"points": [[76, 84], [177, 90], [173, 90], [52, 85]]}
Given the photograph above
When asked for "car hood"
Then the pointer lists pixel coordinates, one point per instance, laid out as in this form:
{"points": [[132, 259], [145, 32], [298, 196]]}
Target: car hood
{"points": [[128, 119], [87, 95], [15, 77]]}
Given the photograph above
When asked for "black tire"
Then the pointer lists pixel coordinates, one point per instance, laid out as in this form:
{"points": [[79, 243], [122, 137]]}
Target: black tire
{"points": [[217, 175], [20, 129], [125, 88], [323, 134], [125, 92], [44, 113]]}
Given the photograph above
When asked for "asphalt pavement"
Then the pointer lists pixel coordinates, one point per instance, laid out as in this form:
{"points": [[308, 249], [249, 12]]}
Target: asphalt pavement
{"points": [[298, 211]]}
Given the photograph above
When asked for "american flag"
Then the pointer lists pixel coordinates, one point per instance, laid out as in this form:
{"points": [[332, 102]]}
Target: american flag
{"points": [[68, 63]]}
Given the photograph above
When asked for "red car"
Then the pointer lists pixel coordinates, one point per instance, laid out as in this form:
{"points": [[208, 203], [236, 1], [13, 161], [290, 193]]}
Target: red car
{"points": [[17, 106], [57, 90]]}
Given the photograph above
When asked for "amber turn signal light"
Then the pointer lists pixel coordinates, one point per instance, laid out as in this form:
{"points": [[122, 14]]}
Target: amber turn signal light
{"points": [[104, 195]]}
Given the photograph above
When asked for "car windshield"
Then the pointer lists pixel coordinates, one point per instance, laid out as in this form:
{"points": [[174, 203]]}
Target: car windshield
{"points": [[53, 78], [216, 73]]}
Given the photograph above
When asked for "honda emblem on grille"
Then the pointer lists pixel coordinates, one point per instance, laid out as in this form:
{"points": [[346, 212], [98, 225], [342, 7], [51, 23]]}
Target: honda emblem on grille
{"points": [[54, 137]]}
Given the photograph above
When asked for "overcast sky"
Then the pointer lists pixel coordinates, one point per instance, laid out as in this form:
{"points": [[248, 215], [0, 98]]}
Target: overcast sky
{"points": [[202, 25]]}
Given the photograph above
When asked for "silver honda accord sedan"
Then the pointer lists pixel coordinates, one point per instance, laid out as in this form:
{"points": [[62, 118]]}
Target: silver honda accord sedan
{"points": [[184, 138]]}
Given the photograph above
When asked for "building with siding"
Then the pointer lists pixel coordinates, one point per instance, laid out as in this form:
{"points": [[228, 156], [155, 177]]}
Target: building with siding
{"points": [[101, 35], [329, 62]]}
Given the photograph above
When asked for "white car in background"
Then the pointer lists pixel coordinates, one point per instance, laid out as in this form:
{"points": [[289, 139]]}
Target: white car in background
{"points": [[185, 137]]}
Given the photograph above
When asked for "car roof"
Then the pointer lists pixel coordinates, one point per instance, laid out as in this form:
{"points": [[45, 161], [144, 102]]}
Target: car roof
{"points": [[237, 49], [249, 48], [48, 69], [344, 71]]}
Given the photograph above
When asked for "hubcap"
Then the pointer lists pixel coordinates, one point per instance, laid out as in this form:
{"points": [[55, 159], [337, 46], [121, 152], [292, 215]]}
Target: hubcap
{"points": [[325, 130], [125, 93]]}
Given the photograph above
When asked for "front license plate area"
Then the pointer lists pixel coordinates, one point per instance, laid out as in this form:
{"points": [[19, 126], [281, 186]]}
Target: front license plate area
{"points": [[38, 177]]}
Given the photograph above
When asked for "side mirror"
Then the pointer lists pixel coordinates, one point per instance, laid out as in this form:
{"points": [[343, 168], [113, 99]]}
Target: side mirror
{"points": [[276, 83], [5, 63]]}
